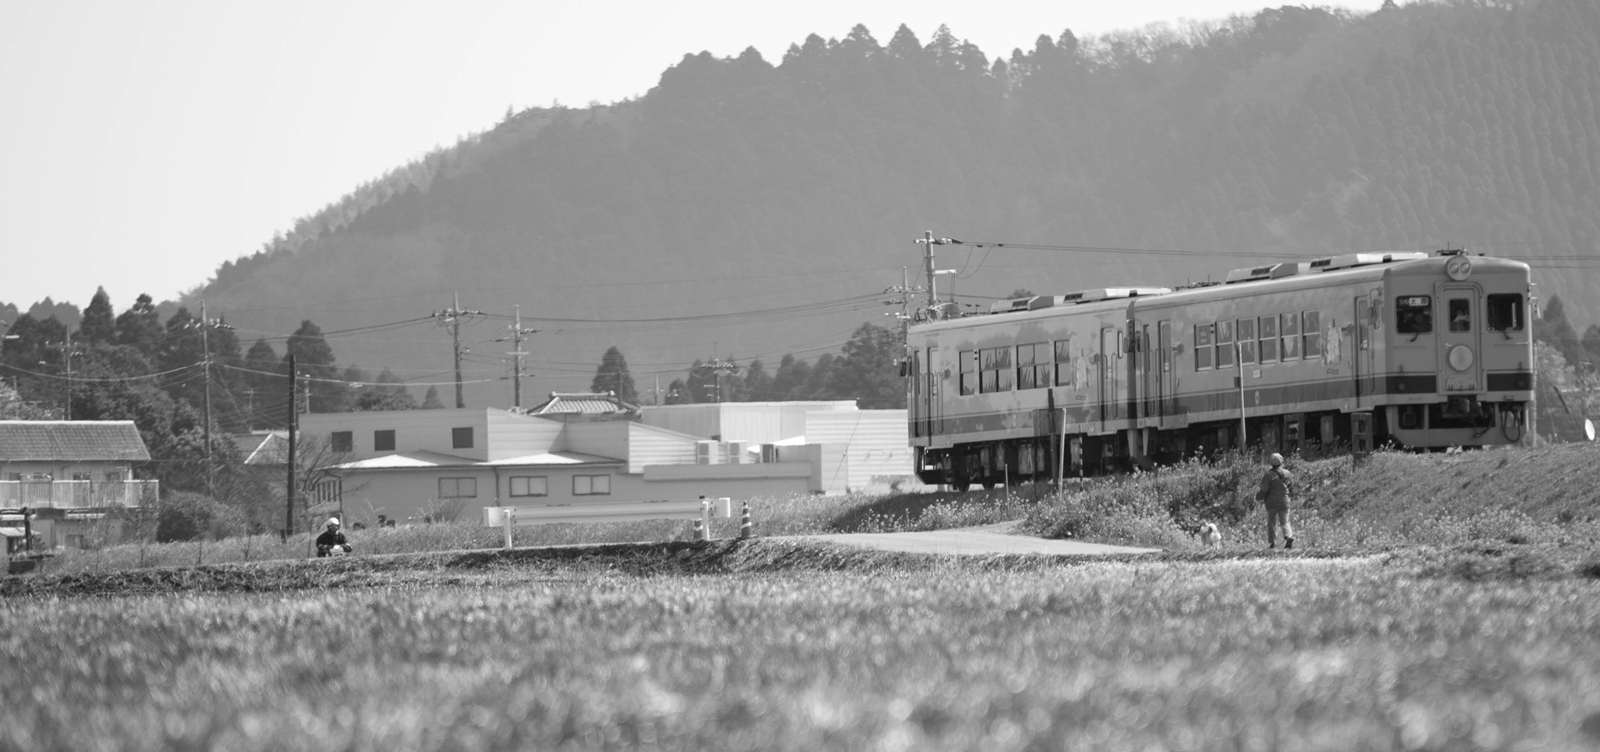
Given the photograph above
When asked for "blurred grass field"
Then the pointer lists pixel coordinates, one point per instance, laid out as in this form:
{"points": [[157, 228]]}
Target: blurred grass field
{"points": [[787, 646], [1436, 602]]}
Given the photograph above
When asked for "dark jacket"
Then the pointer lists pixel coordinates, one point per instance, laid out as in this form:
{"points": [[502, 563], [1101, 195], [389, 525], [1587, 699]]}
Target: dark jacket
{"points": [[328, 540], [1275, 488]]}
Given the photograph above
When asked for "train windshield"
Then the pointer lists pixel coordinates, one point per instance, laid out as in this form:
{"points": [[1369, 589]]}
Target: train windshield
{"points": [[1505, 313], [1414, 314]]}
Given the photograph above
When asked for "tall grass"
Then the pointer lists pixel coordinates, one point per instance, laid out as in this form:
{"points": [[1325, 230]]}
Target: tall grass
{"points": [[1512, 495]]}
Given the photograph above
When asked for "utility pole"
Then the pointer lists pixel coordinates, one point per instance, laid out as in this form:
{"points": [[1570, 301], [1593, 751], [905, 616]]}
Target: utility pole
{"points": [[517, 333], [452, 317], [904, 291], [206, 325], [66, 356], [294, 419], [928, 241], [719, 367]]}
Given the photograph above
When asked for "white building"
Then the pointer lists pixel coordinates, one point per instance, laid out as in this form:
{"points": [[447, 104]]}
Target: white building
{"points": [[450, 464]]}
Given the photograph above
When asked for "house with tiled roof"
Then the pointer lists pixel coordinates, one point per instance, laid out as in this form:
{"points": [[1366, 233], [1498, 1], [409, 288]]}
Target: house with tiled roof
{"points": [[569, 406], [68, 474]]}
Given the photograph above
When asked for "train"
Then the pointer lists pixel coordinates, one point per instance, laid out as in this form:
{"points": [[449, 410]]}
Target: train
{"points": [[1413, 350]]}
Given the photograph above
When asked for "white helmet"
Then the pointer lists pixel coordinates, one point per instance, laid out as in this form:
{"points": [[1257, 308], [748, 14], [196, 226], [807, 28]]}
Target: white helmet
{"points": [[333, 520]]}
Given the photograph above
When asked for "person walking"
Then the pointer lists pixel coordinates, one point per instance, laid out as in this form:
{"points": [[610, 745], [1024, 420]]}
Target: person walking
{"points": [[1275, 493]]}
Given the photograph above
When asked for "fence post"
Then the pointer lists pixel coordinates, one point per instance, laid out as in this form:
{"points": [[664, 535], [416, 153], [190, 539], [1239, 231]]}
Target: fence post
{"points": [[705, 518], [506, 522]]}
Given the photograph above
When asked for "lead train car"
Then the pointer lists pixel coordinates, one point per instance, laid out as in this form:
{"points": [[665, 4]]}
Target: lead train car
{"points": [[1423, 352]]}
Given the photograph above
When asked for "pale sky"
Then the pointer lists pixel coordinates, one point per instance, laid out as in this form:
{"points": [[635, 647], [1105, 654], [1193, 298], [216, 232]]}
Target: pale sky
{"points": [[144, 143]]}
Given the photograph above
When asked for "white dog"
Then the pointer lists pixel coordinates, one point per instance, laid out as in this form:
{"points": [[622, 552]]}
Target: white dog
{"points": [[1209, 536]]}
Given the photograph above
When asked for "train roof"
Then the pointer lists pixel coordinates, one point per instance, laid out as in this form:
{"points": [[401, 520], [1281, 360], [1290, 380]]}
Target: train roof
{"points": [[1241, 283]]}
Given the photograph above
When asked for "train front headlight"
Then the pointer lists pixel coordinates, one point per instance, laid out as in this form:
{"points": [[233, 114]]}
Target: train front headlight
{"points": [[1460, 357]]}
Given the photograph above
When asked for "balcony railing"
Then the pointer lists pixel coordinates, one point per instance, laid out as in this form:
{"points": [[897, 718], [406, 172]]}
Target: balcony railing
{"points": [[75, 494]]}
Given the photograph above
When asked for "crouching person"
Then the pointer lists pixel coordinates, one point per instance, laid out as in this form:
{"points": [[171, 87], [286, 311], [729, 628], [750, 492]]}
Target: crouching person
{"points": [[1275, 493], [332, 542]]}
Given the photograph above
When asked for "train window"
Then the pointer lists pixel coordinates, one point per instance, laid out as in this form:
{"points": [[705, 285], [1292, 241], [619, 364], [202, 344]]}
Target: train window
{"points": [[1033, 365], [969, 372], [1460, 315], [994, 364], [1505, 313], [1413, 314], [1311, 339], [1246, 332], [1269, 339], [1289, 330], [1225, 344], [1064, 362], [1202, 346]]}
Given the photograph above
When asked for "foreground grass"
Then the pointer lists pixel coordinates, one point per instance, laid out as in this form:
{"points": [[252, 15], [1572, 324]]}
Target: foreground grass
{"points": [[773, 645]]}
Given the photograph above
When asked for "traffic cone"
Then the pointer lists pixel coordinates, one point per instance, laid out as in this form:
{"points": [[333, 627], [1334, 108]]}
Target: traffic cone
{"points": [[746, 528]]}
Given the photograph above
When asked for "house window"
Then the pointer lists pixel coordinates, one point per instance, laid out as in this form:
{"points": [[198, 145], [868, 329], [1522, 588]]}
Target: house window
{"points": [[1289, 332], [1311, 334], [969, 372], [461, 438], [1413, 314], [994, 364], [529, 485], [1505, 313], [1245, 331], [327, 491], [114, 476], [383, 441], [1033, 366], [343, 441], [1203, 334], [591, 485], [1064, 362], [458, 488], [1225, 350], [1269, 339]]}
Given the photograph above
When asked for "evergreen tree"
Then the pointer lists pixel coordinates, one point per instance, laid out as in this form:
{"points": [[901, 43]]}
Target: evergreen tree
{"points": [[140, 327], [678, 393], [1553, 327], [613, 376], [867, 372], [99, 323], [314, 359], [430, 400]]}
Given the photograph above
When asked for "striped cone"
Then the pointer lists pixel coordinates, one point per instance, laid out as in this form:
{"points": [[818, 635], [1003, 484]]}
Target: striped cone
{"points": [[746, 528]]}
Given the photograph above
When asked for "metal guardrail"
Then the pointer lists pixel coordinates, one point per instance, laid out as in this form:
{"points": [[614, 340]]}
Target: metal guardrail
{"points": [[508, 518], [74, 494]]}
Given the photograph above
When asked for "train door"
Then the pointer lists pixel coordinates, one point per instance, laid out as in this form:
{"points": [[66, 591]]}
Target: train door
{"points": [[1361, 357], [1458, 340], [1149, 377], [1166, 379], [932, 411], [1107, 375]]}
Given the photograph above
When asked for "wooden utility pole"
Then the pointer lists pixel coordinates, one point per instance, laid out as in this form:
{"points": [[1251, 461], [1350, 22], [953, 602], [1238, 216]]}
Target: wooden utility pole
{"points": [[517, 333], [452, 317], [288, 520]]}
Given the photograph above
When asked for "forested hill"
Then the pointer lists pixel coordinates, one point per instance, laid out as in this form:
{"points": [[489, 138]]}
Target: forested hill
{"points": [[741, 185]]}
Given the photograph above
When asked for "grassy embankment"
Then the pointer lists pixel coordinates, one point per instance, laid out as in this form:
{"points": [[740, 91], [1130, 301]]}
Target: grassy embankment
{"points": [[1545, 495]]}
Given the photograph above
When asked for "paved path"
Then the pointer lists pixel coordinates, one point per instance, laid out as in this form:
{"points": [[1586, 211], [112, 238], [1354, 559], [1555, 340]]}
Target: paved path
{"points": [[974, 541]]}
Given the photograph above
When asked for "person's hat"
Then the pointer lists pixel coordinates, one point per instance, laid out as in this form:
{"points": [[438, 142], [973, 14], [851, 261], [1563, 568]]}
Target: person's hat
{"points": [[335, 520], [1276, 459]]}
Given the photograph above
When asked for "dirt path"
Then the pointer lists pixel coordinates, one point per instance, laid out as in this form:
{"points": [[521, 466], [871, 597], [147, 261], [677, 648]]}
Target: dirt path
{"points": [[974, 541]]}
